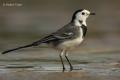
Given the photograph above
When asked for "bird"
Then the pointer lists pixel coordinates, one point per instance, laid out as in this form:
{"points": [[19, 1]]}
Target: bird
{"points": [[66, 38]]}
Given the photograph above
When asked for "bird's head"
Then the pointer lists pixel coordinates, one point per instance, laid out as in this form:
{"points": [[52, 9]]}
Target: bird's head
{"points": [[80, 16]]}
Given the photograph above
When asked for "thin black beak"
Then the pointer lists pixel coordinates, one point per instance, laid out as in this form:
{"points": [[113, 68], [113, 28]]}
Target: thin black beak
{"points": [[92, 14]]}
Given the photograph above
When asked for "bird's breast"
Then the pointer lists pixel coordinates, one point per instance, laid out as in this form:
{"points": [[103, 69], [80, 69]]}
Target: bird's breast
{"points": [[68, 44]]}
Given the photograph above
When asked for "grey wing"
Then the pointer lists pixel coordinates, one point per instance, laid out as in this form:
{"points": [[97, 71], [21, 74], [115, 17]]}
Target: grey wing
{"points": [[63, 35], [66, 32]]}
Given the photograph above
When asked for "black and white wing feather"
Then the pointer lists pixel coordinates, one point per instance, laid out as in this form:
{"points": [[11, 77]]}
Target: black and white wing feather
{"points": [[66, 32]]}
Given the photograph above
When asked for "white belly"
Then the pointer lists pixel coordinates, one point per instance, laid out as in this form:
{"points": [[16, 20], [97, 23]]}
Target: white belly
{"points": [[72, 43]]}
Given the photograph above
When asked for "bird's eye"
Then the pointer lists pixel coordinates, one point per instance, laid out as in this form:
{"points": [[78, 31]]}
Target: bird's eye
{"points": [[83, 13]]}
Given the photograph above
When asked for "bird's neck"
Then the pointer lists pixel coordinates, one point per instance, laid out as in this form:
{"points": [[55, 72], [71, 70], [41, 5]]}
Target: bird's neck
{"points": [[80, 22]]}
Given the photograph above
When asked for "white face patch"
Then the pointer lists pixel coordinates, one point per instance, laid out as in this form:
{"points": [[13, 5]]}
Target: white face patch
{"points": [[82, 16]]}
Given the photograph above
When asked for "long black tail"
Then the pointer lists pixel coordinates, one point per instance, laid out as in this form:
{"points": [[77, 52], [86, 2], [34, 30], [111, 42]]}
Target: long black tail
{"points": [[30, 45]]}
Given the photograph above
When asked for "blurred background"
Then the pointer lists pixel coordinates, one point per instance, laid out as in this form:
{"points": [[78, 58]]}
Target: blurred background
{"points": [[25, 21]]}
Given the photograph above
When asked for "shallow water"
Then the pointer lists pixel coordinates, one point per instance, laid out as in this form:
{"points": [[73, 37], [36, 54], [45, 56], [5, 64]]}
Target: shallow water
{"points": [[40, 64]]}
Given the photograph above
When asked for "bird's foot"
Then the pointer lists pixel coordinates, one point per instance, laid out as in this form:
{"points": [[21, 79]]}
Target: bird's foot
{"points": [[63, 69], [71, 68]]}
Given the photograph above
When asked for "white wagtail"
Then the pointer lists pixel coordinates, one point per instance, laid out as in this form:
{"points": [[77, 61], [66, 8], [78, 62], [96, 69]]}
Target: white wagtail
{"points": [[68, 37]]}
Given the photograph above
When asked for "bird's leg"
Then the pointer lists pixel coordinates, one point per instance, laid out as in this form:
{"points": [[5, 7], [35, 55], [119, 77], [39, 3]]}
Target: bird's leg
{"points": [[61, 54], [71, 67]]}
